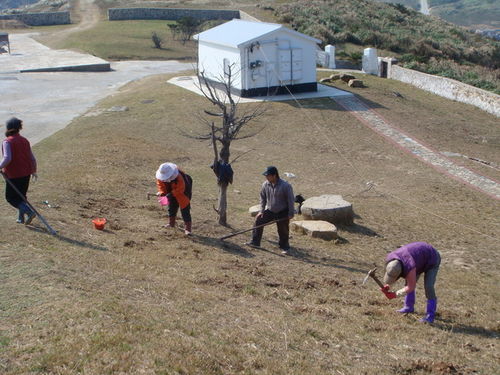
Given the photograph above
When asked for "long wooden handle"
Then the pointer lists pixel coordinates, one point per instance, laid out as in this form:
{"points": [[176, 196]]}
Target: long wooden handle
{"points": [[248, 230], [51, 231], [377, 280]]}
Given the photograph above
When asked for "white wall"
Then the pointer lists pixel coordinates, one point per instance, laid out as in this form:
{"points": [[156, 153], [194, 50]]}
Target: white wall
{"points": [[211, 61], [448, 88]]}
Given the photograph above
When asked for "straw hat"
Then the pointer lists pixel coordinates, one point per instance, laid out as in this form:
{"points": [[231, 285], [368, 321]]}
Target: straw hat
{"points": [[393, 271], [167, 172]]}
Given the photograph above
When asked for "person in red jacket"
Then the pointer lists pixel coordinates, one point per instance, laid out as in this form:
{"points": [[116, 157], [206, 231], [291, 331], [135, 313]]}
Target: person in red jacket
{"points": [[177, 187], [18, 165]]}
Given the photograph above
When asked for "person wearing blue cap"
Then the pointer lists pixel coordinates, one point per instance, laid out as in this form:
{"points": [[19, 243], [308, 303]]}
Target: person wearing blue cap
{"points": [[18, 164], [276, 204]]}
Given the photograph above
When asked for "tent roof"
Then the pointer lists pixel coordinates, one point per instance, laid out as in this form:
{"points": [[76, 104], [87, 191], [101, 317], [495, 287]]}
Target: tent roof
{"points": [[237, 32]]}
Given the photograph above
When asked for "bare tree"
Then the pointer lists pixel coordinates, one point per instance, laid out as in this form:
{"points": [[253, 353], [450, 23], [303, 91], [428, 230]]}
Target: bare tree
{"points": [[231, 122]]}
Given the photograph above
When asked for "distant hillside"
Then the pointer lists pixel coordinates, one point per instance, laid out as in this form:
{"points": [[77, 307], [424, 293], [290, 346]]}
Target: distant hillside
{"points": [[479, 14], [476, 13], [421, 42], [12, 4]]}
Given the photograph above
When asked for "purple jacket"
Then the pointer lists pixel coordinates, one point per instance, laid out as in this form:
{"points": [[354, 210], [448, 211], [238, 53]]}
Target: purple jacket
{"points": [[419, 255]]}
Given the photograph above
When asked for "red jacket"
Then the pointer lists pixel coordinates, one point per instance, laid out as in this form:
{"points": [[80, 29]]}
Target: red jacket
{"points": [[22, 163]]}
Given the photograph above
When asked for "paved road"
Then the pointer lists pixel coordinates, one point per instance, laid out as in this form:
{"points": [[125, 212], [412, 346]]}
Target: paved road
{"points": [[47, 102]]}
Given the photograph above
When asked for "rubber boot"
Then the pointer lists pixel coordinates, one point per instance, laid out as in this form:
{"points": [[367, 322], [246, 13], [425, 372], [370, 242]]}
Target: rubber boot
{"points": [[409, 303], [171, 222], [431, 311], [187, 228]]}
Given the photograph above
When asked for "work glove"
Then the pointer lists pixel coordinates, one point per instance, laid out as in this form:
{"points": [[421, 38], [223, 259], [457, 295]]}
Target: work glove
{"points": [[387, 292], [34, 177]]}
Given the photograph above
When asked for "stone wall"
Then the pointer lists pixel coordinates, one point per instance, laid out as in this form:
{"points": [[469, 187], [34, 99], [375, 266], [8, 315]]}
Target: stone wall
{"points": [[40, 19], [448, 88], [120, 14]]}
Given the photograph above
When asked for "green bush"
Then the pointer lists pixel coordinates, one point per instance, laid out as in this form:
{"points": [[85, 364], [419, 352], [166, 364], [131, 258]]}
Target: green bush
{"points": [[393, 27]]}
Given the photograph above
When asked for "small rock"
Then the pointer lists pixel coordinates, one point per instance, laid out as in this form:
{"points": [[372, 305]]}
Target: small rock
{"points": [[254, 210], [118, 108], [355, 83]]}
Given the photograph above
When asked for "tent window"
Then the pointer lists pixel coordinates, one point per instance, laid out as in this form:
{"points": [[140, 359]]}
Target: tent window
{"points": [[227, 67]]}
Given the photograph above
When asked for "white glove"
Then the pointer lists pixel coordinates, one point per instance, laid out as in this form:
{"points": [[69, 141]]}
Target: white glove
{"points": [[34, 177]]}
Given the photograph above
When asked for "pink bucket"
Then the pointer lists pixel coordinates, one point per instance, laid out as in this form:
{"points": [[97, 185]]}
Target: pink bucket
{"points": [[163, 201]]}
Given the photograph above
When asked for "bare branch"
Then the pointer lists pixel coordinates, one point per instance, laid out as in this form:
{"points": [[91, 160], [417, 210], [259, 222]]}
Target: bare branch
{"points": [[213, 113], [240, 155]]}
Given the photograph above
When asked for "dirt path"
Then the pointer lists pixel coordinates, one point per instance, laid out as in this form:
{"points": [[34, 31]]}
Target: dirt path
{"points": [[85, 12]]}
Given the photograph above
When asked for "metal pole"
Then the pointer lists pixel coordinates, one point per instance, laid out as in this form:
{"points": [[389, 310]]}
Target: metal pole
{"points": [[49, 228]]}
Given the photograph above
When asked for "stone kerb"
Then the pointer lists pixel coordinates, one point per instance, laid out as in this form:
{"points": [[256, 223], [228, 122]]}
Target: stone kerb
{"points": [[315, 228], [331, 208]]}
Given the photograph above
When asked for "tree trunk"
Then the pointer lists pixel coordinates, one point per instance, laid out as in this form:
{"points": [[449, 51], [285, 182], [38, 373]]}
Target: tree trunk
{"points": [[222, 209]]}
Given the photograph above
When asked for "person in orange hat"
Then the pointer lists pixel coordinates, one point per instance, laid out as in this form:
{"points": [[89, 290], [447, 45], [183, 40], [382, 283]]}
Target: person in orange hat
{"points": [[177, 187], [18, 165]]}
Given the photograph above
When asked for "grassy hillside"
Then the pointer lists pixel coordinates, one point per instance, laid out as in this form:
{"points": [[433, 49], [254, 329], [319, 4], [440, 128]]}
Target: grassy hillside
{"points": [[130, 40], [421, 42], [137, 298]]}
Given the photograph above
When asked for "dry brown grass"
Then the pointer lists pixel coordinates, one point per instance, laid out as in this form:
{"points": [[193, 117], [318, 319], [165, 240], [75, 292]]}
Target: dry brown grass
{"points": [[138, 299]]}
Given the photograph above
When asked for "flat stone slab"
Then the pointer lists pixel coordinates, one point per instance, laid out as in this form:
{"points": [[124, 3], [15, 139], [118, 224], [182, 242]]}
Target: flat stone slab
{"points": [[316, 229], [324, 91], [331, 208]]}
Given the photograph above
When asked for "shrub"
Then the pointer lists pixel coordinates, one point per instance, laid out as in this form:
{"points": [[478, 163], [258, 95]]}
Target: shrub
{"points": [[157, 41]]}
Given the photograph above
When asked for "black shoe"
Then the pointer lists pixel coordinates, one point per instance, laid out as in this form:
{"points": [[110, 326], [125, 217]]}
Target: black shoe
{"points": [[285, 251], [251, 244]]}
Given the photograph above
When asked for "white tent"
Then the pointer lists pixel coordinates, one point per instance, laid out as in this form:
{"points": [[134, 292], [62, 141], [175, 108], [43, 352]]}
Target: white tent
{"points": [[265, 58]]}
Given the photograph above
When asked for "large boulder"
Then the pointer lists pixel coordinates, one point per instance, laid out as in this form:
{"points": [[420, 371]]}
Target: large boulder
{"points": [[315, 228], [331, 208]]}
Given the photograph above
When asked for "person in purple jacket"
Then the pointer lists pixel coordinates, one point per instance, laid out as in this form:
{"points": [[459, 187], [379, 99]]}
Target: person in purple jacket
{"points": [[410, 261]]}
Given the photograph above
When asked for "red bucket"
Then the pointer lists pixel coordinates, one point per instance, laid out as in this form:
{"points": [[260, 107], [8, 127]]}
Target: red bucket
{"points": [[99, 223]]}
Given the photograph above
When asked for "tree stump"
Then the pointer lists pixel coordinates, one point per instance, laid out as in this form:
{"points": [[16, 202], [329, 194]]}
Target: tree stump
{"points": [[331, 208]]}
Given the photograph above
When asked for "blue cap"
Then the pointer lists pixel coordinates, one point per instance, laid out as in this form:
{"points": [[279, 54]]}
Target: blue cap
{"points": [[271, 171]]}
